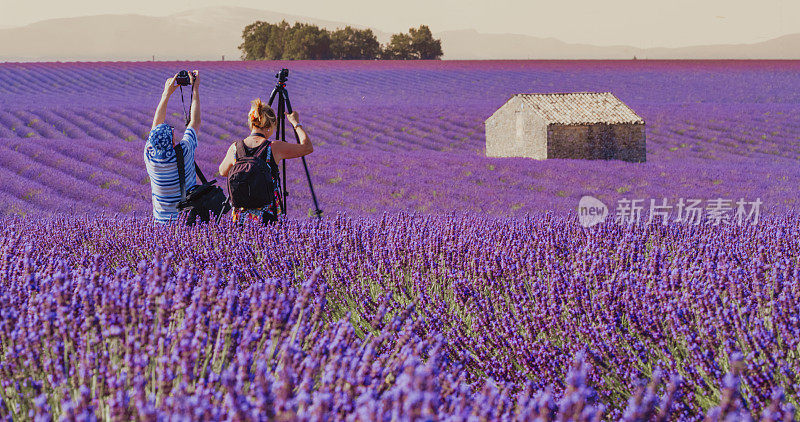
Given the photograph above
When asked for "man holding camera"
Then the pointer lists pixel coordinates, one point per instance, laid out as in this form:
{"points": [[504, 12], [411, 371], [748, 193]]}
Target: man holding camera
{"points": [[160, 152]]}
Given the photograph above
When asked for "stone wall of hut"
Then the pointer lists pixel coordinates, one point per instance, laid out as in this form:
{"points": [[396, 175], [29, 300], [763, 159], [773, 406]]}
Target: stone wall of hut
{"points": [[599, 141], [514, 131]]}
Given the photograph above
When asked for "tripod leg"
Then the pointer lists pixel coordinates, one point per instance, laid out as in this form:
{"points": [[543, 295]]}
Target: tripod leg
{"points": [[317, 211], [280, 136], [288, 105], [272, 96], [280, 133]]}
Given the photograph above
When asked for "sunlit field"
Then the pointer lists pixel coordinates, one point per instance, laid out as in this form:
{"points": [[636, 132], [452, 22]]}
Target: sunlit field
{"points": [[440, 284]]}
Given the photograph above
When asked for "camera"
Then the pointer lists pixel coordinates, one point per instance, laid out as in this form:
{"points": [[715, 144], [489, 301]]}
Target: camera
{"points": [[183, 78], [282, 75]]}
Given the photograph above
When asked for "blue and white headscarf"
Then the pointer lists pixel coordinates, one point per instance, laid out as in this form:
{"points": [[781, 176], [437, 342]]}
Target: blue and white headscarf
{"points": [[160, 139]]}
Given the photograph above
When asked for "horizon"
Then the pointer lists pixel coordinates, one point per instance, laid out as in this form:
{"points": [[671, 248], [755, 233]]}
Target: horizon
{"points": [[719, 23], [409, 62]]}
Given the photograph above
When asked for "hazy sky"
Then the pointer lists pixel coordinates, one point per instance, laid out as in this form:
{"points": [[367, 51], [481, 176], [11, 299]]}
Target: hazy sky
{"points": [[641, 23]]}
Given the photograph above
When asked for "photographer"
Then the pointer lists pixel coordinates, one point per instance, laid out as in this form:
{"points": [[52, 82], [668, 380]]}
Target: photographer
{"points": [[254, 161], [159, 151]]}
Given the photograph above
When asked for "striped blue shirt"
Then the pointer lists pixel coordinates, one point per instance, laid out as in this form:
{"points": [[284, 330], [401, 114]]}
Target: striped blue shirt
{"points": [[162, 167]]}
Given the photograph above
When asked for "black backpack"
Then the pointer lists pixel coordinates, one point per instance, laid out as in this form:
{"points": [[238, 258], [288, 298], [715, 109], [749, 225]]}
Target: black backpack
{"points": [[201, 200], [251, 181]]}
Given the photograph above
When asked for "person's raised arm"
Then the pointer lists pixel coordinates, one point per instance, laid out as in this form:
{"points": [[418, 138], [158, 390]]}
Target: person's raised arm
{"points": [[227, 162], [194, 119], [284, 150], [161, 110]]}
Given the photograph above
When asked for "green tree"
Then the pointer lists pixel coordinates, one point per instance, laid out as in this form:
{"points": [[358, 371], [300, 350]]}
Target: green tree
{"points": [[353, 44], [266, 41], [417, 44], [307, 42], [254, 40], [399, 48], [423, 45], [263, 41], [275, 45]]}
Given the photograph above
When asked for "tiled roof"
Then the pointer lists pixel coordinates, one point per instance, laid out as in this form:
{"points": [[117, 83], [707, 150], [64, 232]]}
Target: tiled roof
{"points": [[581, 108]]}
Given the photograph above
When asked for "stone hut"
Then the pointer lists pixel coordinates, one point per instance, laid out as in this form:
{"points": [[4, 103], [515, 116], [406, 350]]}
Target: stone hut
{"points": [[587, 125]]}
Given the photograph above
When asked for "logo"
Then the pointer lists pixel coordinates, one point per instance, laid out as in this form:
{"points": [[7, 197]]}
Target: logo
{"points": [[591, 211]]}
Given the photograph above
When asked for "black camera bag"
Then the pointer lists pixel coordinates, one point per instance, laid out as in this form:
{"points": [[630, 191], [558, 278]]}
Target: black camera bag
{"points": [[201, 200]]}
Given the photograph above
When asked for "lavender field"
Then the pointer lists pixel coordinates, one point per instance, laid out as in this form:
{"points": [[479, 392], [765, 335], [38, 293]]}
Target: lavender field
{"points": [[404, 136], [441, 285]]}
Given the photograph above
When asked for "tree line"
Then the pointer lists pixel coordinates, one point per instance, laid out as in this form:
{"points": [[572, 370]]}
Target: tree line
{"points": [[301, 41]]}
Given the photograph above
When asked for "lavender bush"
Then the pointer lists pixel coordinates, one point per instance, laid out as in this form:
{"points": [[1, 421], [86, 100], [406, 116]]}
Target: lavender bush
{"points": [[406, 315]]}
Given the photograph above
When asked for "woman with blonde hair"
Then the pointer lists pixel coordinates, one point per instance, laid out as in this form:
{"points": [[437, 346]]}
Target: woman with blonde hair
{"points": [[251, 165]]}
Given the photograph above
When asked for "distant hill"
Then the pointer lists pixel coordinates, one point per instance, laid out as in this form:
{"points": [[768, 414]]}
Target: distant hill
{"points": [[470, 44], [209, 33], [201, 34]]}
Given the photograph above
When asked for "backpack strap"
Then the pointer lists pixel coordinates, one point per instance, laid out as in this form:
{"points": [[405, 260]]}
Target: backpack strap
{"points": [[181, 170], [275, 172], [240, 151], [261, 149], [200, 173]]}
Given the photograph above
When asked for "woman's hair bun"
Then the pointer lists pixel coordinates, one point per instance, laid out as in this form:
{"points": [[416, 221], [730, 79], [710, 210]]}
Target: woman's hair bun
{"points": [[261, 115]]}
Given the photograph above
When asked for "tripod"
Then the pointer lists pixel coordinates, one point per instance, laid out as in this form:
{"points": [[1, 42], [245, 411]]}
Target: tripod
{"points": [[285, 106]]}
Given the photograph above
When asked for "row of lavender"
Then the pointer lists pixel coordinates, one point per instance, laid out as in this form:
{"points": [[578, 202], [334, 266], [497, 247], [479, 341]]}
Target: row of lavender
{"points": [[382, 162], [404, 315], [354, 83]]}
